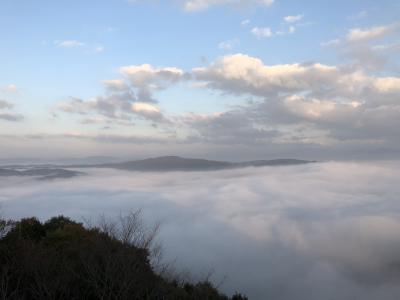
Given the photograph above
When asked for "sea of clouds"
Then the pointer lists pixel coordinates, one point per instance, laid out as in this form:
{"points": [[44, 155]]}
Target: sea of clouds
{"points": [[318, 231]]}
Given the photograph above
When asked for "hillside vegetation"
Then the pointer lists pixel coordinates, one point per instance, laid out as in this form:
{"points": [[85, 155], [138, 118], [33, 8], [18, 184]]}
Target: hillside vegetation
{"points": [[63, 259]]}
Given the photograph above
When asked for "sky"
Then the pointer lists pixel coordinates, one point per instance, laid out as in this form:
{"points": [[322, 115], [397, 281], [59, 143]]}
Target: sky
{"points": [[316, 231], [222, 79]]}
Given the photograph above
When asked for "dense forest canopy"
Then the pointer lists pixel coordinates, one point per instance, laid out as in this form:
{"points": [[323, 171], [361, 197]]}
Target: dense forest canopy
{"points": [[63, 259]]}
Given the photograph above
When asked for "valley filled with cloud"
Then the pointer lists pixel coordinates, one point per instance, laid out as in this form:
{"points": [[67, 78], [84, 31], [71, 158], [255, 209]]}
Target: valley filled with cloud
{"points": [[314, 231]]}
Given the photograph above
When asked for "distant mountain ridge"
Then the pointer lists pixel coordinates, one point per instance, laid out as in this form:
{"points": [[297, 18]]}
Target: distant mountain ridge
{"points": [[156, 164], [44, 173], [176, 163]]}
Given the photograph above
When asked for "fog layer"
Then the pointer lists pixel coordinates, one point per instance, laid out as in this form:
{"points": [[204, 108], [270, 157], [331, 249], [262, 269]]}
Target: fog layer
{"points": [[316, 231]]}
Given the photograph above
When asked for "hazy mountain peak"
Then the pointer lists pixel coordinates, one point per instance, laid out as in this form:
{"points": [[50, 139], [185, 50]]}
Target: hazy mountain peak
{"points": [[177, 163]]}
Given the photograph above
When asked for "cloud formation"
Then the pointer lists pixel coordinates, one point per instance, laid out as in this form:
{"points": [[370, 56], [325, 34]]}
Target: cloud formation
{"points": [[69, 44], [346, 103], [371, 48], [373, 33], [198, 5], [95, 48], [201, 5], [130, 96], [228, 44], [10, 88], [262, 32], [292, 22], [147, 79], [293, 19], [6, 114], [341, 242], [346, 107], [295, 104]]}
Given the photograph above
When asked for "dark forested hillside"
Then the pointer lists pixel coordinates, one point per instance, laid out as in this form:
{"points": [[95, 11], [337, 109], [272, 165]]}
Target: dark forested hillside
{"points": [[62, 259]]}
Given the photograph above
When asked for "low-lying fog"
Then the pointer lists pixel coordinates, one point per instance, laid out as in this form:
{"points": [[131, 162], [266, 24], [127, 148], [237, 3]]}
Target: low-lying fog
{"points": [[316, 231]]}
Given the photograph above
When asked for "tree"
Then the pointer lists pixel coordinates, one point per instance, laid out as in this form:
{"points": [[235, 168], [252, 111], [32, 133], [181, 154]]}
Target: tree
{"points": [[63, 259]]}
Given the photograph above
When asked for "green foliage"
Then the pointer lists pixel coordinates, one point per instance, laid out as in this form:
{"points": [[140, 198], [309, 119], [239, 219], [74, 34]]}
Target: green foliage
{"points": [[28, 229], [61, 259], [58, 223]]}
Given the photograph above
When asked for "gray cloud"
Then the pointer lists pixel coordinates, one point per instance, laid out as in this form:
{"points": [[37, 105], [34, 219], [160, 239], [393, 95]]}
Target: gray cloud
{"points": [[370, 48], [146, 79], [8, 116], [129, 97], [340, 103], [105, 138], [369, 34], [5, 105], [312, 104], [116, 108], [274, 240], [243, 74], [11, 117], [238, 126]]}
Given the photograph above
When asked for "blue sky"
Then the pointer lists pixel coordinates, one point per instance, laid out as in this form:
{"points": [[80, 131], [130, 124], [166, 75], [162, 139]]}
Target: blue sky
{"points": [[53, 52]]}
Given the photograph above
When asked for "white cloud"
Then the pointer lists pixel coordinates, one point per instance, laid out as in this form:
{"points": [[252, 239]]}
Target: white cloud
{"points": [[266, 32], [99, 49], [262, 32], [140, 75], [336, 103], [128, 97], [312, 108], [145, 107], [94, 48], [246, 73], [148, 111], [10, 88], [344, 103], [228, 45], [245, 22], [368, 34], [69, 44], [387, 84], [148, 79], [333, 42], [198, 5], [293, 19], [291, 104], [243, 73], [360, 45], [115, 84]]}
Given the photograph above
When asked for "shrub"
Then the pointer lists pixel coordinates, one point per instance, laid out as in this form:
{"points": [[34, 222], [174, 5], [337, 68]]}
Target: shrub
{"points": [[62, 259]]}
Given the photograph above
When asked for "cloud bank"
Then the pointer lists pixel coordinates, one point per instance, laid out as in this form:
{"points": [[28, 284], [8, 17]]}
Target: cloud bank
{"points": [[306, 232]]}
